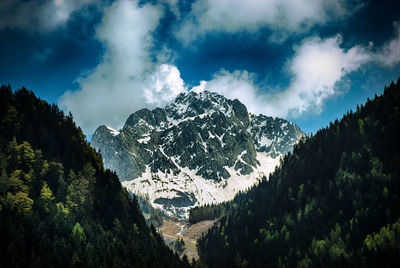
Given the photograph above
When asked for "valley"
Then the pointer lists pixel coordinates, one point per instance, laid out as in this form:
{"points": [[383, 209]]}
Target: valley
{"points": [[172, 230], [201, 133]]}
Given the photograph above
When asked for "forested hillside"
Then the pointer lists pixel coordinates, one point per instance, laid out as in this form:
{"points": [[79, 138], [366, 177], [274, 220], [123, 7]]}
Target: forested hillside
{"points": [[59, 207], [333, 202]]}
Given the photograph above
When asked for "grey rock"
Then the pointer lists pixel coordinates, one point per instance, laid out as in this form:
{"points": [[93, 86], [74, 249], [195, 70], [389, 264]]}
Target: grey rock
{"points": [[200, 131]]}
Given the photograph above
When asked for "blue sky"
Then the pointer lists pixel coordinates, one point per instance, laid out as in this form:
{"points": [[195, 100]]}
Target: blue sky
{"points": [[308, 61]]}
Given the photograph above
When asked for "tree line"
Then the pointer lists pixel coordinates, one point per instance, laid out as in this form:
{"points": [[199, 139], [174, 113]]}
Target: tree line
{"points": [[59, 206], [333, 202]]}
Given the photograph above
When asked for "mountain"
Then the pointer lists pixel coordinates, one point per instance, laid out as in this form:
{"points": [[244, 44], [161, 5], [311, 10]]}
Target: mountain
{"points": [[59, 207], [201, 148], [333, 202]]}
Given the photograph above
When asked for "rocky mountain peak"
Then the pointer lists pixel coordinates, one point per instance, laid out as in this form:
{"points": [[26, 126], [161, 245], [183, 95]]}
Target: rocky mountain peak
{"points": [[201, 148]]}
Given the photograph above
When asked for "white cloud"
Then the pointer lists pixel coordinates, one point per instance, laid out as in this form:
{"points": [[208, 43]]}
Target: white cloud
{"points": [[235, 85], [39, 15], [284, 16], [173, 5], [164, 85], [390, 52], [126, 79], [317, 67]]}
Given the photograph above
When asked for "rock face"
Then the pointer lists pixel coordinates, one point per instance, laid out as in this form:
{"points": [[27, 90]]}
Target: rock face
{"points": [[199, 149]]}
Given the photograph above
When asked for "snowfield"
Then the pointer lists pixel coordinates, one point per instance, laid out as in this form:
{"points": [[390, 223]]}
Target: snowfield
{"points": [[166, 185]]}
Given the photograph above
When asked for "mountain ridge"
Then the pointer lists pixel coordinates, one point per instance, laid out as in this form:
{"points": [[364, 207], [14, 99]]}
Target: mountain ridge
{"points": [[206, 145]]}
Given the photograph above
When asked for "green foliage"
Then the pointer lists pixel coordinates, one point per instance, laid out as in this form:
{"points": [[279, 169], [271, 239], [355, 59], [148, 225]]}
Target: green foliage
{"points": [[207, 212], [19, 202], [179, 246], [4, 183], [153, 216], [46, 194], [387, 239], [384, 246], [78, 234], [59, 207], [78, 190], [333, 202]]}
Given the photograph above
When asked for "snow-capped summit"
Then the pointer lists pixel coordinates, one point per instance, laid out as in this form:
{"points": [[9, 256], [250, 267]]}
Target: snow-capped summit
{"points": [[199, 149]]}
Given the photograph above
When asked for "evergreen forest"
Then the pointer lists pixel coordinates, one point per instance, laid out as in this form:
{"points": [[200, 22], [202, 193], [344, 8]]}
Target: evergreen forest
{"points": [[333, 202], [59, 206]]}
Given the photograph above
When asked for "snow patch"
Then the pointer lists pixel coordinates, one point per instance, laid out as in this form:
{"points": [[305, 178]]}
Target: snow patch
{"points": [[113, 131], [264, 141], [144, 140], [168, 185]]}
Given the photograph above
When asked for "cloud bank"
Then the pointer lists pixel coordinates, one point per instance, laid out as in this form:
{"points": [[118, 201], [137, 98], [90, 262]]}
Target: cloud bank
{"points": [[130, 76], [126, 79], [282, 16], [317, 67], [390, 53]]}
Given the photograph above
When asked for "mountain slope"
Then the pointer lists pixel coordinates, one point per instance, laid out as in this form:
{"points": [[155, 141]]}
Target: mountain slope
{"points": [[201, 148], [59, 207], [334, 202]]}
